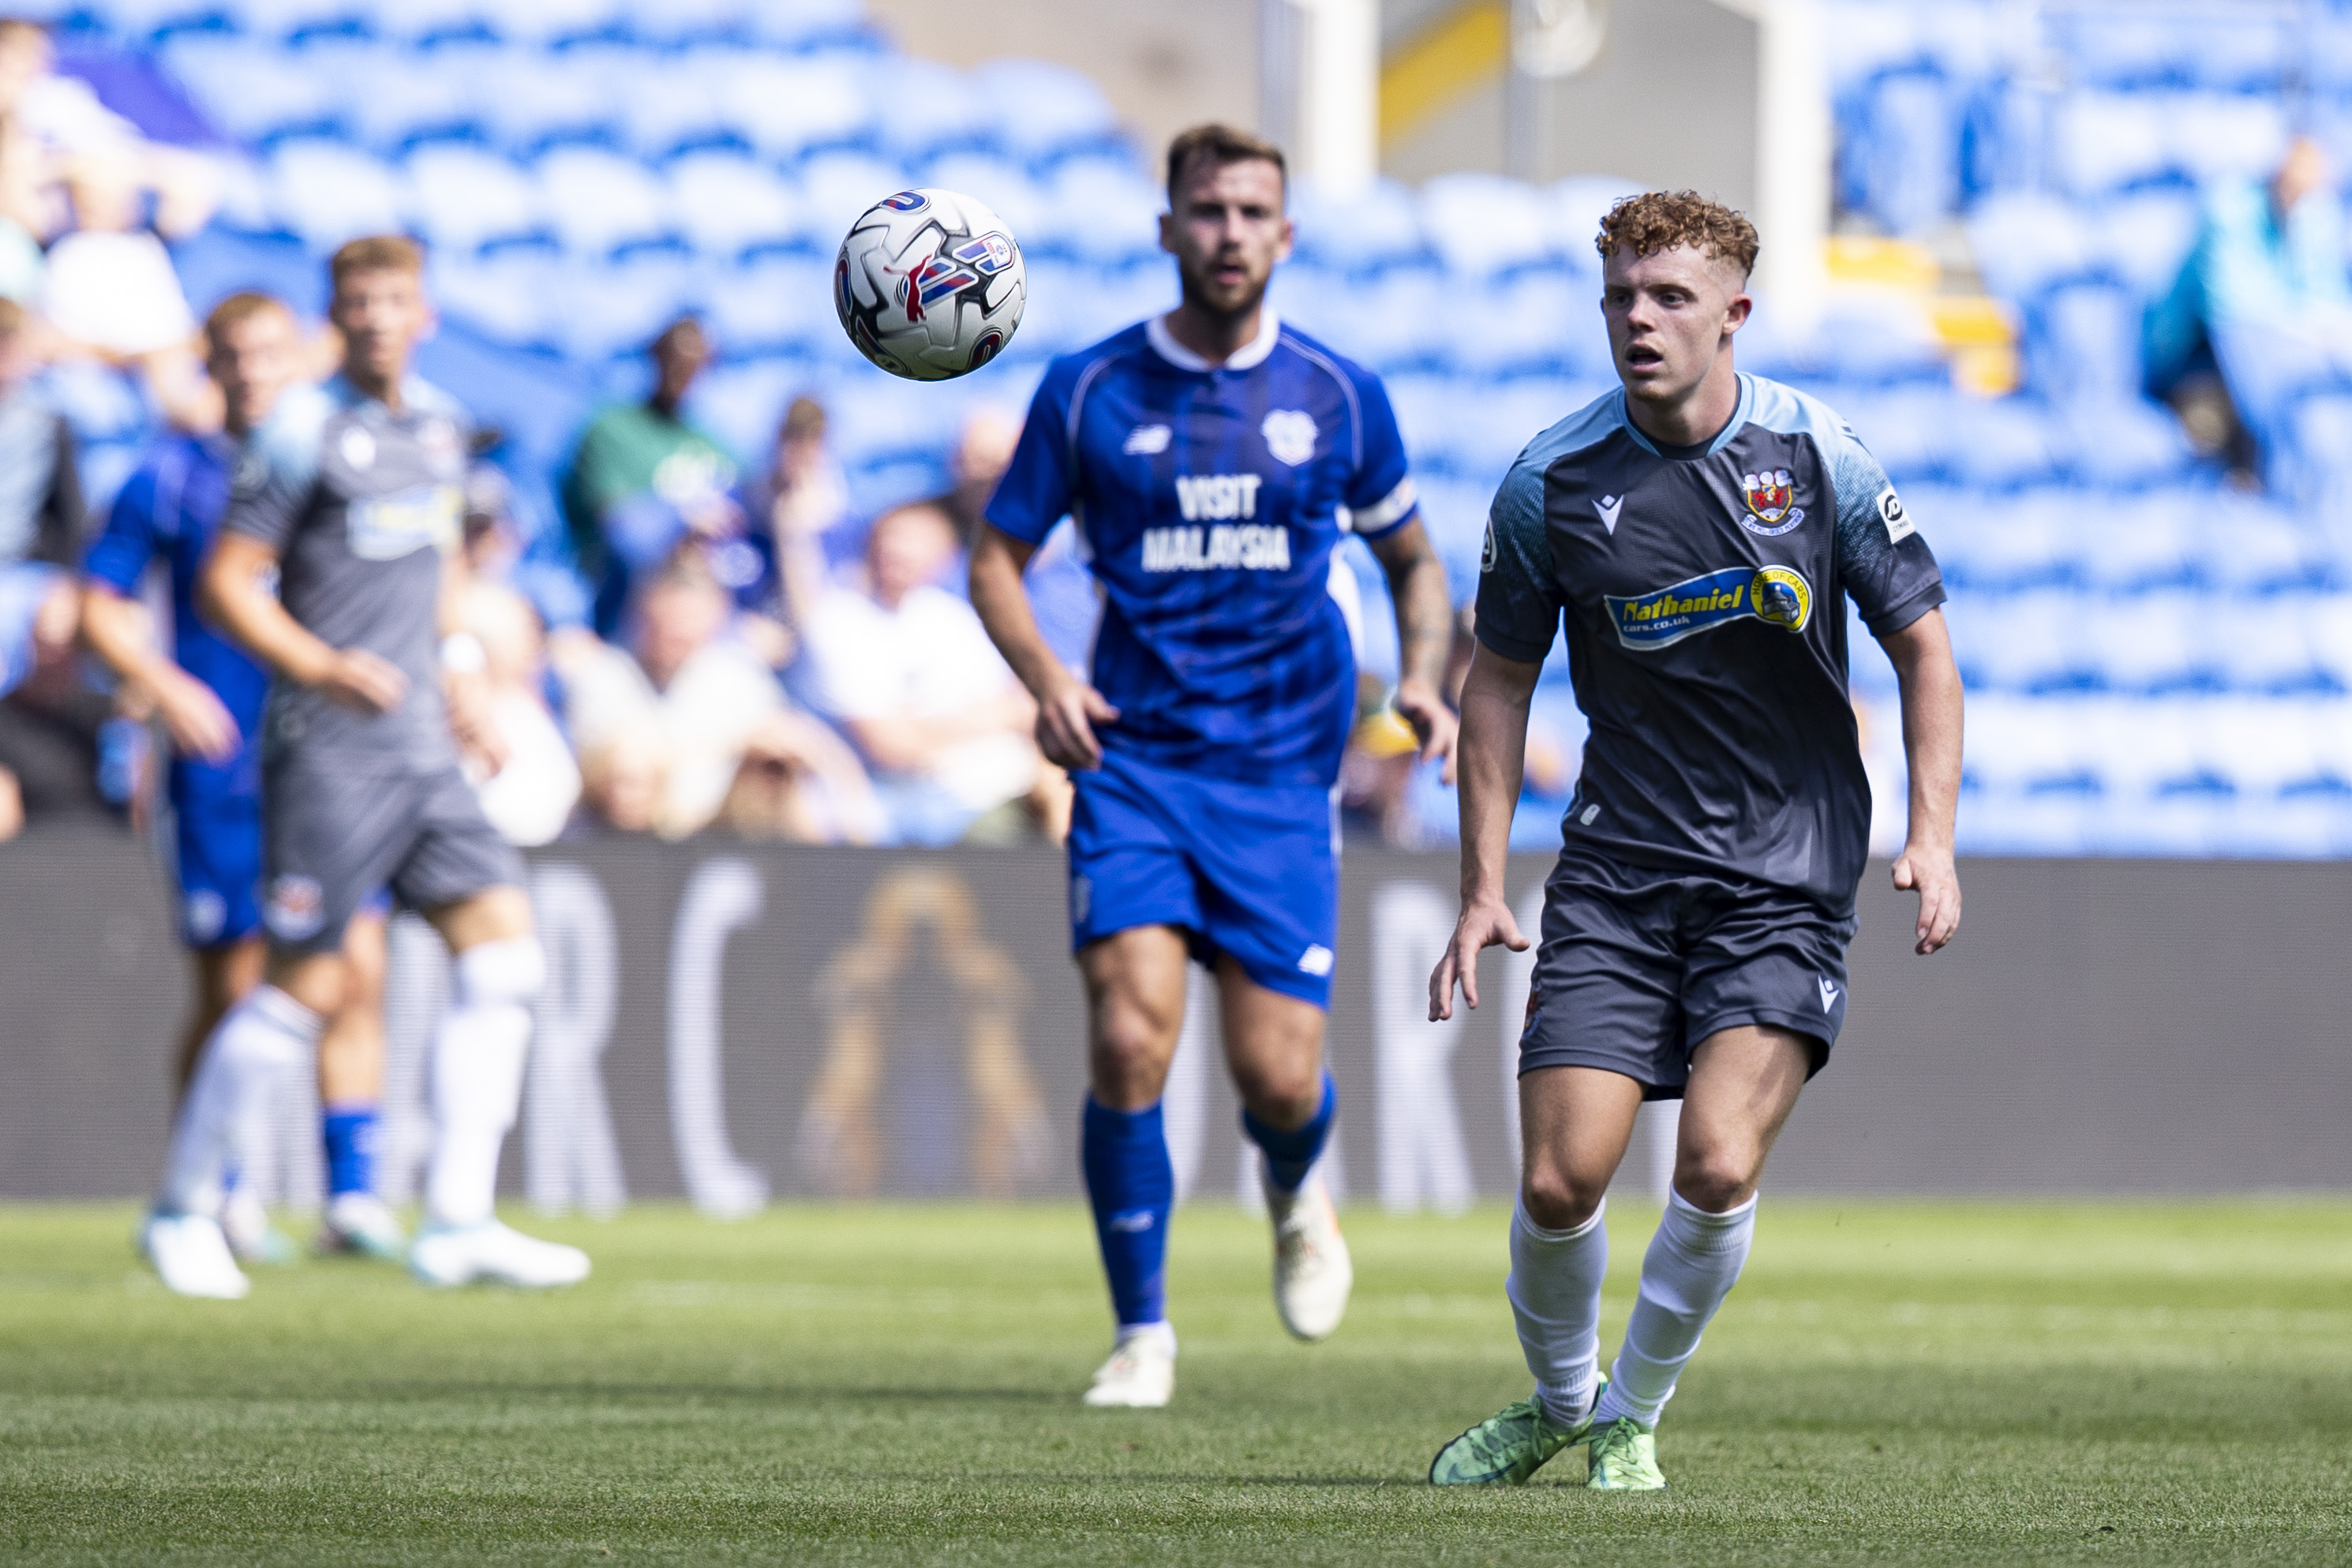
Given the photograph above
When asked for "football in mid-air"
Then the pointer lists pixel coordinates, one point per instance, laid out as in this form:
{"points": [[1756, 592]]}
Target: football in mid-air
{"points": [[930, 285]]}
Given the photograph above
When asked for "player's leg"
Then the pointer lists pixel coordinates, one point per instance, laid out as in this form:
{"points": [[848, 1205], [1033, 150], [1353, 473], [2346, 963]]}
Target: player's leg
{"points": [[1604, 1027], [221, 975], [350, 1096], [219, 844], [1744, 1081], [468, 882], [1135, 981]]}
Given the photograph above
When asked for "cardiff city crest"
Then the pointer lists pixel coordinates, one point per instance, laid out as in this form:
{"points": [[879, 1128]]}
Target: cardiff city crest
{"points": [[1770, 496]]}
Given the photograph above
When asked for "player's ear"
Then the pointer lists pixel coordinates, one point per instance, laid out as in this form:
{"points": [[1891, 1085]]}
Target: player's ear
{"points": [[1168, 229], [1289, 239], [1738, 309]]}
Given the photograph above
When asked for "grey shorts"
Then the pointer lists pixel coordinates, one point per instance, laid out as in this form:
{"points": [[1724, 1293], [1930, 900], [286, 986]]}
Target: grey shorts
{"points": [[332, 836], [1636, 966]]}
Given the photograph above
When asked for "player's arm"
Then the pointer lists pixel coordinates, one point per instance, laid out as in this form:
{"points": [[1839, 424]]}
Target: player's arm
{"points": [[1424, 617], [237, 591], [1067, 707], [464, 684], [1930, 686], [1495, 696], [119, 630]]}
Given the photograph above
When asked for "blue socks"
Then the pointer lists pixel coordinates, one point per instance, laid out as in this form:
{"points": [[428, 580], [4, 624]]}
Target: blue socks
{"points": [[1289, 1155], [350, 1131], [1132, 1186]]}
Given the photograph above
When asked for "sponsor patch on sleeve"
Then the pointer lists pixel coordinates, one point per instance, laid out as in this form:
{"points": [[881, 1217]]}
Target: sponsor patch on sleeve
{"points": [[1891, 513]]}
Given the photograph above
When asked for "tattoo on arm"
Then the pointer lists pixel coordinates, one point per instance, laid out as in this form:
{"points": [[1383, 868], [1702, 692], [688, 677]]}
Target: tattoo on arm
{"points": [[1425, 614]]}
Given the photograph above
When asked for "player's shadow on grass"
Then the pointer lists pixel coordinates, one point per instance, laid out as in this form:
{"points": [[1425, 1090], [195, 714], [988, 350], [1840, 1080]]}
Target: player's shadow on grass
{"points": [[762, 1393]]}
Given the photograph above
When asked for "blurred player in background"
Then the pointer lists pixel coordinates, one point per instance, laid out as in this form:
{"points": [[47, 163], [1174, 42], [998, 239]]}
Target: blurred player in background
{"points": [[350, 501], [209, 693], [1213, 460], [1701, 530]]}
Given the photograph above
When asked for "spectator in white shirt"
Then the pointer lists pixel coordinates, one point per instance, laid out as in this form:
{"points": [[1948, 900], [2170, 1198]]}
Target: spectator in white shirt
{"points": [[530, 798], [907, 672]]}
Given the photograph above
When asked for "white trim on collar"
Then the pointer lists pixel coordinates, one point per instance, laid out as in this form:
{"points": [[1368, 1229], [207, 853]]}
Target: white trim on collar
{"points": [[1248, 357]]}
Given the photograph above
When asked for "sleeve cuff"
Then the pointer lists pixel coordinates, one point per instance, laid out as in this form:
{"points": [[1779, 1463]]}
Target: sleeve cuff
{"points": [[1387, 515], [1019, 528], [1887, 622], [1511, 647]]}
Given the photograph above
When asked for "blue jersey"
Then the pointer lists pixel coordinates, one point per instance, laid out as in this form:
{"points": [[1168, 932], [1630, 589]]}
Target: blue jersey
{"points": [[172, 506], [1209, 500]]}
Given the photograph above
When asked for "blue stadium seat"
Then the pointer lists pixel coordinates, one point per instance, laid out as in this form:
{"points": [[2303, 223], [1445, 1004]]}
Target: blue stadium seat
{"points": [[1370, 230], [2152, 642], [1397, 322], [2025, 241], [598, 310], [543, 22], [1103, 210], [836, 187], [2103, 141], [2005, 544], [1534, 321], [2263, 643], [1047, 113], [328, 191], [464, 197], [2250, 545], [671, 101], [1901, 160], [419, 21], [2000, 443], [412, 96], [532, 99], [772, 303], [1578, 205], [672, 23], [598, 202], [2143, 238], [245, 87], [1008, 189], [742, 400], [2031, 642], [1483, 226], [935, 109], [726, 203], [2241, 50], [2083, 342], [2223, 136], [2018, 745], [509, 295], [2124, 440]]}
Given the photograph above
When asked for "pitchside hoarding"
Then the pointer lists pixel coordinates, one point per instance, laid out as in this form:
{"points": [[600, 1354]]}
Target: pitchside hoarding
{"points": [[737, 1024]]}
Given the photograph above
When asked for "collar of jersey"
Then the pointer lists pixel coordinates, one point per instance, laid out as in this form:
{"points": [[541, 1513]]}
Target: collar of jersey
{"points": [[1722, 438], [1248, 357]]}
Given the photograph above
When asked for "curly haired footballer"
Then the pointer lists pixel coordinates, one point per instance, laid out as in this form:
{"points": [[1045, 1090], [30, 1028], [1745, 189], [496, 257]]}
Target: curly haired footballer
{"points": [[1663, 220]]}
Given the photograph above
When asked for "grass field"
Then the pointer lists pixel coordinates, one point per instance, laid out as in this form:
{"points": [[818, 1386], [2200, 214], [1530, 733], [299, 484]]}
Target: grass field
{"points": [[1929, 1383]]}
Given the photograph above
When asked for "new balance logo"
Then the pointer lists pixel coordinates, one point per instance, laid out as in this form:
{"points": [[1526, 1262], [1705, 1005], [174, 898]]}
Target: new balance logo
{"points": [[1134, 1223], [1609, 507], [1828, 995], [1315, 961]]}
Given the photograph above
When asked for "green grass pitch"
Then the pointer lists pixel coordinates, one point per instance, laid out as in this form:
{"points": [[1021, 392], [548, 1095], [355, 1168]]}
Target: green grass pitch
{"points": [[1916, 1383]]}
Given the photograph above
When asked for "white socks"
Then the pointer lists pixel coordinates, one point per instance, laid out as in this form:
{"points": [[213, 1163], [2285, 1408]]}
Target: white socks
{"points": [[1555, 1291], [1693, 1261], [478, 1061], [261, 1044]]}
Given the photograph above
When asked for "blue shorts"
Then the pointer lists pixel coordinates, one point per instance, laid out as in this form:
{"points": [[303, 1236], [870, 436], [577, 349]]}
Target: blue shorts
{"points": [[220, 870], [1249, 870]]}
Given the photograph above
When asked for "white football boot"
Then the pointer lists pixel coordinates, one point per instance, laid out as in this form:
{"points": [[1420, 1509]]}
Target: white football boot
{"points": [[246, 1224], [1141, 1371], [1312, 1273], [191, 1255], [364, 1226], [491, 1253]]}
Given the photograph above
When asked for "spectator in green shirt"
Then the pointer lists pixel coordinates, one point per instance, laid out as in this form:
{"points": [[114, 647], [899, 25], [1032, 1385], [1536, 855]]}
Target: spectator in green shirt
{"points": [[644, 481]]}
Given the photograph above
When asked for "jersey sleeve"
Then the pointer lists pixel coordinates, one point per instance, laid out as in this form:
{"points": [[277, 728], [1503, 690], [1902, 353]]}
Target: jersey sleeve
{"points": [[1884, 564], [272, 484], [1519, 596], [119, 555], [1380, 497], [1039, 486]]}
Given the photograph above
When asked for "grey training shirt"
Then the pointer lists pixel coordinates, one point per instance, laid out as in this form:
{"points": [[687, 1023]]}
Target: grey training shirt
{"points": [[1706, 629], [359, 503]]}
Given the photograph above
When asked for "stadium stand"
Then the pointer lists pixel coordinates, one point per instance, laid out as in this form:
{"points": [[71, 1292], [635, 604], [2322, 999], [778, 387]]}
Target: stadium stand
{"points": [[2162, 662]]}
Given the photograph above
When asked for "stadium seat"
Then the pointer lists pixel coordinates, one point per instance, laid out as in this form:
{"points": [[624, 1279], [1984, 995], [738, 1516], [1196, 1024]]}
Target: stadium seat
{"points": [[1047, 113], [2130, 546], [2031, 642], [424, 21], [1900, 164], [2105, 142], [412, 96], [543, 22], [598, 202], [245, 87], [597, 310], [2083, 342], [2143, 238], [1103, 210], [672, 102], [1578, 205], [328, 191], [2123, 439], [2002, 544], [2225, 136], [772, 303], [668, 24], [2150, 643], [1535, 321], [726, 203], [2263, 643], [935, 109], [2024, 242], [532, 101], [1028, 208], [464, 197], [836, 187], [1371, 230], [509, 295], [1484, 226], [742, 400]]}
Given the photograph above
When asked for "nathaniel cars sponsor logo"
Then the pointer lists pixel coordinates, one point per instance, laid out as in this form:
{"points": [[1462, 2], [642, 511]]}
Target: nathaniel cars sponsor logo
{"points": [[1774, 594]]}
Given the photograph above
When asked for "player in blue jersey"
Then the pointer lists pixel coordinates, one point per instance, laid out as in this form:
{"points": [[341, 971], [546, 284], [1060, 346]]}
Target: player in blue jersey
{"points": [[1212, 459], [209, 693], [1699, 531]]}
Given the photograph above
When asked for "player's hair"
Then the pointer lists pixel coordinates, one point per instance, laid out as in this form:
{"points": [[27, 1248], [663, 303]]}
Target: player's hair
{"points": [[11, 317], [682, 331], [13, 27], [1663, 220], [237, 309], [1222, 145], [803, 421], [376, 252]]}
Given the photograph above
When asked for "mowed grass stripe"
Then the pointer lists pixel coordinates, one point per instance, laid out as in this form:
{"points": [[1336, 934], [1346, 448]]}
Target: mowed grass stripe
{"points": [[1924, 1382]]}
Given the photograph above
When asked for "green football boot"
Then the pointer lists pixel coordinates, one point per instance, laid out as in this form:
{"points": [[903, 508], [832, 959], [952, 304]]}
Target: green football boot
{"points": [[1624, 1458], [1508, 1446]]}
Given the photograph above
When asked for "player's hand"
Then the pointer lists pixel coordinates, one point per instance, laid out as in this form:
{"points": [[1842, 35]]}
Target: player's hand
{"points": [[200, 723], [1931, 872], [368, 682], [1486, 923], [466, 698], [1067, 716], [1433, 724]]}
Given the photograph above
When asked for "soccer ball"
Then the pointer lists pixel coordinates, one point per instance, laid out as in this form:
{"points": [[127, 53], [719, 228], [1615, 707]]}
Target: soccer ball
{"points": [[930, 285]]}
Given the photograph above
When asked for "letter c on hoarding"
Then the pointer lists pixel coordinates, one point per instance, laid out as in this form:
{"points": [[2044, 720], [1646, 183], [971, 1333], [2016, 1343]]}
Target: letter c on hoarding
{"points": [[722, 897]]}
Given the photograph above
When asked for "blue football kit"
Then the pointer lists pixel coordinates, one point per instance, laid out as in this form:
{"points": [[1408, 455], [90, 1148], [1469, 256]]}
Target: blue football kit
{"points": [[1715, 841], [170, 507], [1208, 500]]}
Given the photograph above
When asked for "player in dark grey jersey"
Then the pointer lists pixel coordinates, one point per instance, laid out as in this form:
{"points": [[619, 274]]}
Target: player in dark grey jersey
{"points": [[1699, 531], [349, 497]]}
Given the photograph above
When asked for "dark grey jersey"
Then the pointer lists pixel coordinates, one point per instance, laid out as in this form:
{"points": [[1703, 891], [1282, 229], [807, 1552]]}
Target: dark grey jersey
{"points": [[1706, 634], [359, 503]]}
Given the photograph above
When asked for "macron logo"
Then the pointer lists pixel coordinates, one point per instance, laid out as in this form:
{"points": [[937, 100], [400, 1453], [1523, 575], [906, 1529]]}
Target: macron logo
{"points": [[1828, 995], [1609, 507]]}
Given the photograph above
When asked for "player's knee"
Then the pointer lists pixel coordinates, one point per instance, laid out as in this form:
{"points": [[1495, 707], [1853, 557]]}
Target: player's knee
{"points": [[1555, 1199], [500, 974], [1284, 1093], [1716, 1179]]}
